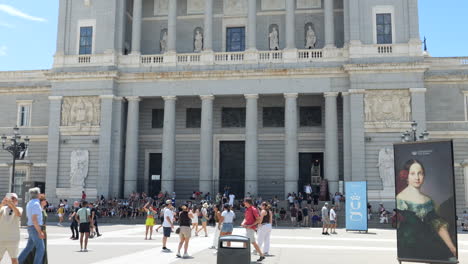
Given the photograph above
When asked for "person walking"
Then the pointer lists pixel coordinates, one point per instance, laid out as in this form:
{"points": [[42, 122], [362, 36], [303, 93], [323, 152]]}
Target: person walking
{"points": [[265, 227], [83, 217], [217, 218], [36, 236], [31, 256], [150, 213], [251, 220], [168, 224], [231, 199], [61, 214], [94, 224], [333, 220], [184, 232], [195, 213], [10, 217], [74, 223], [325, 219], [204, 220]]}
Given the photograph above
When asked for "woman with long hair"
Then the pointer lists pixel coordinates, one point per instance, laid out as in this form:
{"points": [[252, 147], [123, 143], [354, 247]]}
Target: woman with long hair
{"points": [[185, 232], [150, 221], [425, 234], [227, 220], [217, 218], [204, 220], [264, 231], [194, 217]]}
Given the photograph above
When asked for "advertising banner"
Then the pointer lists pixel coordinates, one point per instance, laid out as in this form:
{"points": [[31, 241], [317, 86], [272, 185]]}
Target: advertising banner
{"points": [[425, 202], [356, 206]]}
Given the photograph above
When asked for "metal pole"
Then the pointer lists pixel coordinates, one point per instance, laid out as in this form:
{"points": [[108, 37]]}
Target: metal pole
{"points": [[13, 169]]}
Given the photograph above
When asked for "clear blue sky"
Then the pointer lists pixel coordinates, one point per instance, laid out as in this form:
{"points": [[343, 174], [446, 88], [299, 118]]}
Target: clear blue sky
{"points": [[28, 31]]}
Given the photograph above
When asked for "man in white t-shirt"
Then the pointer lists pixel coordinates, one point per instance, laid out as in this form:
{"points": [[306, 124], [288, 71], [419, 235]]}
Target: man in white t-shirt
{"points": [[168, 223], [333, 220], [231, 199], [10, 217]]}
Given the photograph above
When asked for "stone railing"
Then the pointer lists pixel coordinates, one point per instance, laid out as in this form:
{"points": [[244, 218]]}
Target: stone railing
{"points": [[384, 49], [270, 56], [152, 59], [309, 55], [84, 60], [189, 58], [449, 61], [228, 57]]}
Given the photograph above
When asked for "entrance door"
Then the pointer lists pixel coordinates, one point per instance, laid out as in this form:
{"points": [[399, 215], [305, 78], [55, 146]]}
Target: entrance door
{"points": [[310, 170], [235, 39], [231, 166], [155, 160]]}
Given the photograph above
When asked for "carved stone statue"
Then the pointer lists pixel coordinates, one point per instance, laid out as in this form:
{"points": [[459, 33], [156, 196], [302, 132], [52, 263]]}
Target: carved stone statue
{"points": [[387, 106], [311, 38], [386, 167], [274, 43], [198, 41], [163, 42], [81, 111], [79, 162]]}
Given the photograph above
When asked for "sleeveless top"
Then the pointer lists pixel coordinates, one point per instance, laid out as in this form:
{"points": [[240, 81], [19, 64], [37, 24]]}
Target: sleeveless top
{"points": [[150, 214], [184, 219], [266, 218]]}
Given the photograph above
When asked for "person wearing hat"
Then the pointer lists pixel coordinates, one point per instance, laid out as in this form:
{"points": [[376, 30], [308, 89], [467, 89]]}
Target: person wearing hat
{"points": [[325, 219], [168, 224], [10, 217], [203, 219]]}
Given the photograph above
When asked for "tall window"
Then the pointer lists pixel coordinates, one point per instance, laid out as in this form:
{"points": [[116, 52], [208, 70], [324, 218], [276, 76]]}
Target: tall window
{"points": [[310, 116], [193, 118], [157, 119], [233, 117], [384, 28], [235, 39], [273, 117], [86, 40], [24, 114]]}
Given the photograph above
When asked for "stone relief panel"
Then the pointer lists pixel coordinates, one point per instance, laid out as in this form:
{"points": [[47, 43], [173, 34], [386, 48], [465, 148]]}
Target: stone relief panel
{"points": [[387, 106], [79, 163], [273, 4], [161, 7], [195, 6], [81, 111], [302, 4], [235, 7]]}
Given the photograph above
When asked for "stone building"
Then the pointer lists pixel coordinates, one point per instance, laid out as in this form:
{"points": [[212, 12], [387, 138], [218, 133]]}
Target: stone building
{"points": [[260, 95]]}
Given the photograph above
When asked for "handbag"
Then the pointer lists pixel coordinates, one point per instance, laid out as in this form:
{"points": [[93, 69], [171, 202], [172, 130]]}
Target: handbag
{"points": [[177, 230]]}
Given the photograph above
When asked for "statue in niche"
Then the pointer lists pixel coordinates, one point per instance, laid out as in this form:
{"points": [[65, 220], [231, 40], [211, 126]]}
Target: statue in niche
{"points": [[311, 38], [79, 162], [163, 42], [386, 167], [274, 43], [198, 41]]}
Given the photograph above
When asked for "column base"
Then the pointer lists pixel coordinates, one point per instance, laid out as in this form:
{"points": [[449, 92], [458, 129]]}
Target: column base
{"points": [[251, 187]]}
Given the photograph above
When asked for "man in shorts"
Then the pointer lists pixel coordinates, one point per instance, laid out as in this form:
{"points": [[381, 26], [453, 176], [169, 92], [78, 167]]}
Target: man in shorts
{"points": [[325, 219], [168, 224], [10, 217], [251, 220], [83, 217]]}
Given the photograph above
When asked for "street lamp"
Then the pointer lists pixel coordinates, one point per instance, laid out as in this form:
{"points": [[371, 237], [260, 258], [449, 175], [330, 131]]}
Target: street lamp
{"points": [[17, 149], [410, 136]]}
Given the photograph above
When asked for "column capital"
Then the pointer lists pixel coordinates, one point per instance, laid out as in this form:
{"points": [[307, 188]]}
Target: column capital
{"points": [[169, 98], [291, 95], [207, 97], [55, 98], [133, 98], [330, 94], [251, 96], [357, 91], [345, 93], [417, 90], [118, 98]]}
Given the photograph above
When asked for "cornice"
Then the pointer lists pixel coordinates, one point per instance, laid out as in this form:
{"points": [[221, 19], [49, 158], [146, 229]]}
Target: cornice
{"points": [[447, 78], [386, 67], [25, 90], [23, 76], [80, 76]]}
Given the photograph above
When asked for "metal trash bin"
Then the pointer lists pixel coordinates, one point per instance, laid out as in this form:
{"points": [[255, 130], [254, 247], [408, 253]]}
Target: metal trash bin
{"points": [[237, 253]]}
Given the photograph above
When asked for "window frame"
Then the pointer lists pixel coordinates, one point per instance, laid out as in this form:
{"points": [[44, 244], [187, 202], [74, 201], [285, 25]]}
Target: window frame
{"points": [[152, 118], [383, 10], [86, 23], [187, 117], [272, 108], [19, 105], [311, 106], [242, 115]]}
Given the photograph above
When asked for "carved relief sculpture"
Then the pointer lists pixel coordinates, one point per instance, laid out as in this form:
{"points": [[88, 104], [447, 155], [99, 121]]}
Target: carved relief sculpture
{"points": [[163, 42], [387, 106], [386, 167], [274, 43], [79, 162], [198, 42], [232, 7], [81, 111], [311, 38]]}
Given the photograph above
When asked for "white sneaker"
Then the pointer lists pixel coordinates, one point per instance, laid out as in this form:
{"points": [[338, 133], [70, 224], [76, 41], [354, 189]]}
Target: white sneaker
{"points": [[178, 255], [186, 256], [85, 250]]}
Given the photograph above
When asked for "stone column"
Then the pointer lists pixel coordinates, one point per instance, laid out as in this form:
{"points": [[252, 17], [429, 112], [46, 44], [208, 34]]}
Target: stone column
{"points": [[61, 30], [464, 165], [131, 146], [136, 26], [104, 183], [346, 137], [53, 144], [120, 25], [329, 23], [208, 30], [290, 24], [206, 144], [117, 159], [346, 21], [171, 26], [251, 144], [168, 149], [354, 22], [252, 25], [291, 164], [358, 170], [331, 141], [413, 20], [418, 107]]}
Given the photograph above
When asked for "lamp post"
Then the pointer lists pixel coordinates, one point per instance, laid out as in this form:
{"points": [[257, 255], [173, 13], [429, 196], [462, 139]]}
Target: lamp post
{"points": [[16, 148], [411, 136]]}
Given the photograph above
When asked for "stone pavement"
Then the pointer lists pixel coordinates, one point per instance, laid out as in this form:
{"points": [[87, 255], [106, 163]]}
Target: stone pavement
{"points": [[125, 244]]}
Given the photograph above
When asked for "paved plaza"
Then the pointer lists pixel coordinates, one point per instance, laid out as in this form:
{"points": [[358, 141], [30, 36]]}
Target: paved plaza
{"points": [[126, 244]]}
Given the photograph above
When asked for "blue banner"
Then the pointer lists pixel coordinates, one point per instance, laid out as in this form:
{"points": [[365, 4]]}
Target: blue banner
{"points": [[356, 206]]}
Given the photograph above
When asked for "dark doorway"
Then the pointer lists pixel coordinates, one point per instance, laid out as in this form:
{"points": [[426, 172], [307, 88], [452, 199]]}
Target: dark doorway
{"points": [[310, 170], [235, 39], [231, 166], [154, 174]]}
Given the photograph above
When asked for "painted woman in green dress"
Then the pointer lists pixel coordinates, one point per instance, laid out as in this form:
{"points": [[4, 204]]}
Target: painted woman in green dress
{"points": [[422, 233]]}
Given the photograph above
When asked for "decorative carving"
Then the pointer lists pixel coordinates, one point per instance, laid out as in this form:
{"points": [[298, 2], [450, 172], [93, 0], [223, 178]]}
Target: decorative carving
{"points": [[311, 38], [198, 41], [301, 4], [387, 167], [235, 7], [273, 5], [81, 111], [79, 162], [387, 106], [274, 42], [161, 7], [163, 41], [195, 6]]}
